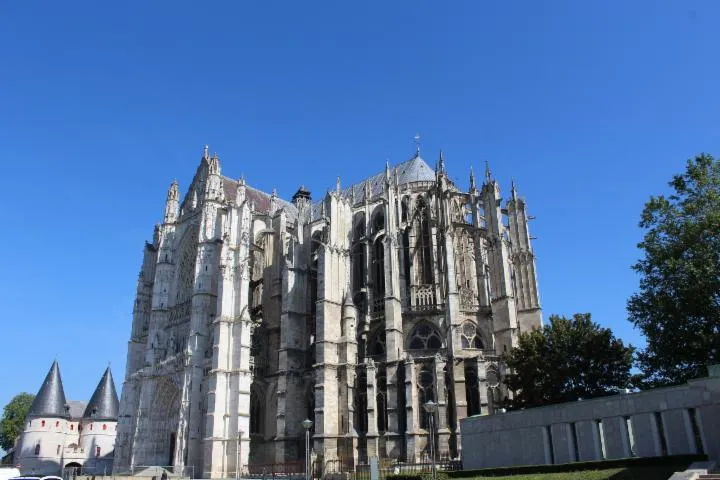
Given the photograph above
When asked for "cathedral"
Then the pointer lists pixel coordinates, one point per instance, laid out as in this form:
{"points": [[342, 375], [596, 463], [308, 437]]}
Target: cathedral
{"points": [[354, 310]]}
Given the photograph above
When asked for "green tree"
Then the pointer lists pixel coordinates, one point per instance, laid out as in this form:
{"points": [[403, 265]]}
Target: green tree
{"points": [[12, 422], [678, 305], [567, 360]]}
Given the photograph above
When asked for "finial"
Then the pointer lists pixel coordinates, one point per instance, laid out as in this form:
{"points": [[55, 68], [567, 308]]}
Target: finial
{"points": [[472, 179], [416, 139], [397, 178], [205, 152], [242, 179], [337, 185], [274, 192], [513, 190], [368, 191], [488, 175], [442, 161]]}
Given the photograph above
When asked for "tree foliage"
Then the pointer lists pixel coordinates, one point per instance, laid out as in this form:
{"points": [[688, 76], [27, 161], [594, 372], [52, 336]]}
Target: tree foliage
{"points": [[567, 360], [13, 420], [678, 305]]}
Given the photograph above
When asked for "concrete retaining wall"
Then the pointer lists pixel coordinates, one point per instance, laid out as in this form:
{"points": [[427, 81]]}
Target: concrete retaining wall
{"points": [[664, 421]]}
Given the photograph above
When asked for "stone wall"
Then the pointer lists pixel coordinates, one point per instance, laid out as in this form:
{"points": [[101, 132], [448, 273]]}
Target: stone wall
{"points": [[665, 421]]}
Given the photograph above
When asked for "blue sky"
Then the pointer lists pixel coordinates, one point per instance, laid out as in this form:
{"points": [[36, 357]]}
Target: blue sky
{"points": [[590, 106]]}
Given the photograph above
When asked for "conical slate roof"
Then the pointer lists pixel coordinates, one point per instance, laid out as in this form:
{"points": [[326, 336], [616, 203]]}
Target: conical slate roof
{"points": [[103, 404], [50, 400]]}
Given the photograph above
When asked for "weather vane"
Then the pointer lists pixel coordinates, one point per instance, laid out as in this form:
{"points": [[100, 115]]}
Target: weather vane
{"points": [[416, 140]]}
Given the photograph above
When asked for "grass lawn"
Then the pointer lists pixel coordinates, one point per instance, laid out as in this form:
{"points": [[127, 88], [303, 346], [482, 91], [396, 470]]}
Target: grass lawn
{"points": [[631, 473]]}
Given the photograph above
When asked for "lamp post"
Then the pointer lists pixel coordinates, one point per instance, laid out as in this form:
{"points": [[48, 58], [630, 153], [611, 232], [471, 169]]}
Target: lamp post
{"points": [[237, 460], [431, 407], [307, 423]]}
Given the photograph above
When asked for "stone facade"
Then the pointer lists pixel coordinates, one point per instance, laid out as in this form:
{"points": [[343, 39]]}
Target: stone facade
{"points": [[253, 313]]}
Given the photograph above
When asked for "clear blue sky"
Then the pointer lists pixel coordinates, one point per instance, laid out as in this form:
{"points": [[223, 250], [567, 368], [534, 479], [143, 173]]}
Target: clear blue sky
{"points": [[590, 106]]}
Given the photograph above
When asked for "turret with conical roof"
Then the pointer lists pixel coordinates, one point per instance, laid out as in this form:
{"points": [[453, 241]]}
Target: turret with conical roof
{"points": [[104, 402], [50, 400]]}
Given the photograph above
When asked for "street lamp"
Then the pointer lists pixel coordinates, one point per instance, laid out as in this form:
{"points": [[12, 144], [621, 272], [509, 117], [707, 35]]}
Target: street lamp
{"points": [[237, 460], [307, 423], [431, 407]]}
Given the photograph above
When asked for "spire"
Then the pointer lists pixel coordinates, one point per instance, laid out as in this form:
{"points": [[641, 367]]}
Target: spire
{"points": [[214, 165], [240, 191], [173, 191], [488, 175], [103, 404], [442, 162], [206, 155], [472, 179], [337, 185], [50, 400], [416, 139], [513, 190], [171, 204]]}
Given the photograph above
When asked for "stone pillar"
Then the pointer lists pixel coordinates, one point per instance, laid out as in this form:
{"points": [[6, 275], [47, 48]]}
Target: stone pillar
{"points": [[394, 345], [443, 432], [412, 412], [372, 431]]}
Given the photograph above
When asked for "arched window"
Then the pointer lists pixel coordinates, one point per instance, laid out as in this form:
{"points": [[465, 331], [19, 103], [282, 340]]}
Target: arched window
{"points": [[404, 209], [472, 390], [104, 427], [97, 451], [359, 226], [42, 423], [37, 449], [72, 427], [57, 424], [425, 337], [470, 336], [379, 271], [381, 402], [376, 345], [426, 392], [358, 266], [378, 220], [423, 247]]}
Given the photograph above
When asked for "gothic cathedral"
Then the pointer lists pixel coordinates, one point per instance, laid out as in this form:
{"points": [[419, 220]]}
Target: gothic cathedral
{"points": [[254, 313]]}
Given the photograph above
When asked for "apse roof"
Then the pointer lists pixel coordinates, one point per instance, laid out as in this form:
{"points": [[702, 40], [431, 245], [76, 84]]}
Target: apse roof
{"points": [[413, 170]]}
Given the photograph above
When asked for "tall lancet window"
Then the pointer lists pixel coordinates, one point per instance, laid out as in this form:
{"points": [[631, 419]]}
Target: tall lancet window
{"points": [[465, 261], [381, 402], [379, 269], [358, 267], [423, 245]]}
